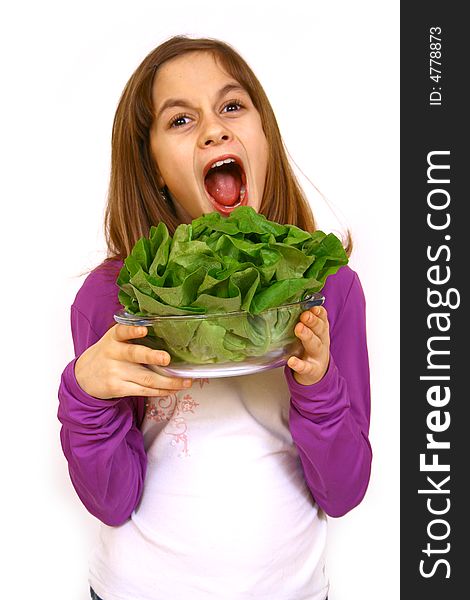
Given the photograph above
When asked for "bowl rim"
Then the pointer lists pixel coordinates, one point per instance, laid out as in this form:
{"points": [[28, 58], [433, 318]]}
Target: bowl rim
{"points": [[124, 318]]}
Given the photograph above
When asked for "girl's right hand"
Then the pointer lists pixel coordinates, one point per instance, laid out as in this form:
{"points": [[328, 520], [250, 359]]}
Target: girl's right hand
{"points": [[114, 368]]}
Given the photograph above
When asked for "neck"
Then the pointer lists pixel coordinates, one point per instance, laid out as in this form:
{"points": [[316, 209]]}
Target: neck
{"points": [[183, 215]]}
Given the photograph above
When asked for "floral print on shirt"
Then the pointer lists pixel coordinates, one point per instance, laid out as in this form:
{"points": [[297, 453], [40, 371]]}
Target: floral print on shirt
{"points": [[172, 408]]}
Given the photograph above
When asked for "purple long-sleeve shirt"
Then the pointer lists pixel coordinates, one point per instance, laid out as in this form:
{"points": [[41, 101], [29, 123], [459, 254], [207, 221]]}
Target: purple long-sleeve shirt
{"points": [[329, 420]]}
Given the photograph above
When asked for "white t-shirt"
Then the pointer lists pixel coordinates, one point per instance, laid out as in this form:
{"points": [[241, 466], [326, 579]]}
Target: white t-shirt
{"points": [[225, 513]]}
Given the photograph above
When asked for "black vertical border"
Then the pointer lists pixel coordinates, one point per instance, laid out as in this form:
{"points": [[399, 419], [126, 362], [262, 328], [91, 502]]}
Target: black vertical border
{"points": [[425, 128]]}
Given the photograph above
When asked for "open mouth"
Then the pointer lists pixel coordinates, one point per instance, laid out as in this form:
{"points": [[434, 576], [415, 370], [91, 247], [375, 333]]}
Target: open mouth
{"points": [[225, 184]]}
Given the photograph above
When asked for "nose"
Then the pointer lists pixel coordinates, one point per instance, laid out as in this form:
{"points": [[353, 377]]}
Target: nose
{"points": [[215, 132]]}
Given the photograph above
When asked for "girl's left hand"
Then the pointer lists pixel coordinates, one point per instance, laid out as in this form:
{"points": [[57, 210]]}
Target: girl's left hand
{"points": [[313, 330]]}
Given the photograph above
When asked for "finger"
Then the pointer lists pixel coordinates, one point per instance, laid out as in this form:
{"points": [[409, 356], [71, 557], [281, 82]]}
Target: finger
{"points": [[149, 379], [124, 333], [137, 353], [311, 342], [314, 322], [320, 312], [129, 388], [299, 366]]}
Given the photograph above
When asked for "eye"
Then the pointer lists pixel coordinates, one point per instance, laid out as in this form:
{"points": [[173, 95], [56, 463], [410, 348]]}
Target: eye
{"points": [[233, 106], [178, 120], [182, 119]]}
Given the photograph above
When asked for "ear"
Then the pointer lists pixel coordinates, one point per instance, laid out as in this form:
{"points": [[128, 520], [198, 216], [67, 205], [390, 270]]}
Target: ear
{"points": [[160, 181]]}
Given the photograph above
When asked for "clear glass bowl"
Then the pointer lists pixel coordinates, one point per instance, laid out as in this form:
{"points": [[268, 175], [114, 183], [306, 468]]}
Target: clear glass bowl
{"points": [[223, 345]]}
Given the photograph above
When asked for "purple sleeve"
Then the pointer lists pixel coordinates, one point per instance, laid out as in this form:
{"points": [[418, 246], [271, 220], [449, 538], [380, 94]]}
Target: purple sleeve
{"points": [[329, 420], [100, 438]]}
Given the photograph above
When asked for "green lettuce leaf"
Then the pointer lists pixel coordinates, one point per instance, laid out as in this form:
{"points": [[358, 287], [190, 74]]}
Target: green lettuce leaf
{"points": [[220, 265]]}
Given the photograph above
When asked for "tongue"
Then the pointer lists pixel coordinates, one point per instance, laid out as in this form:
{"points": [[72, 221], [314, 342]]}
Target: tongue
{"points": [[224, 187]]}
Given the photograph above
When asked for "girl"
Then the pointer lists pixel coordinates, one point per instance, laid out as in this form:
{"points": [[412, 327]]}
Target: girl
{"points": [[209, 488]]}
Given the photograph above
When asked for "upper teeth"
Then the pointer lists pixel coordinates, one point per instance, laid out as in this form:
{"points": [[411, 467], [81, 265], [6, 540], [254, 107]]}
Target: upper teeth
{"points": [[219, 163]]}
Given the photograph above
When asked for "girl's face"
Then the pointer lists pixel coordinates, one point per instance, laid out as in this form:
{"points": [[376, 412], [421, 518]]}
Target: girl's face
{"points": [[203, 116]]}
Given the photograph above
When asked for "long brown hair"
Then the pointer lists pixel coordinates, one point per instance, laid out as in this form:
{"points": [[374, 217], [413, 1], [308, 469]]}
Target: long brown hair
{"points": [[135, 201]]}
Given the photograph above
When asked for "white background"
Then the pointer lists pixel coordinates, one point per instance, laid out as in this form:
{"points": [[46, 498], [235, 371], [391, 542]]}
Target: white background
{"points": [[330, 70]]}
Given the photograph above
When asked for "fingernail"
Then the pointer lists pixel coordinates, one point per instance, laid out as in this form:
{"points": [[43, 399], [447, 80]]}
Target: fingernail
{"points": [[165, 357], [187, 382]]}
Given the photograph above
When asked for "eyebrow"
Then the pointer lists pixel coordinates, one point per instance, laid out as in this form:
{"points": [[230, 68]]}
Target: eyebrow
{"points": [[173, 102]]}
